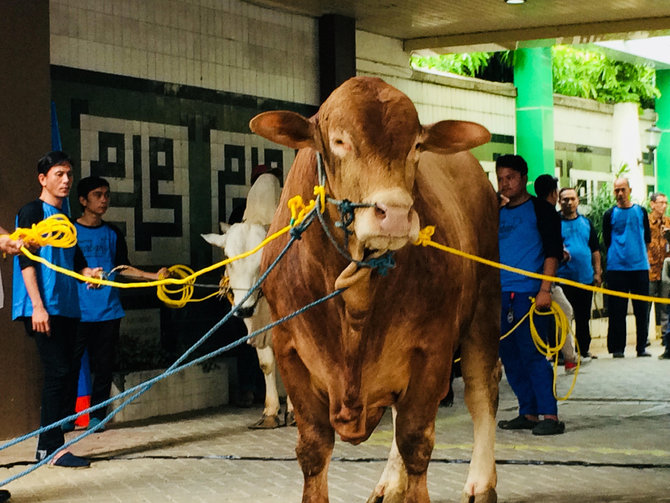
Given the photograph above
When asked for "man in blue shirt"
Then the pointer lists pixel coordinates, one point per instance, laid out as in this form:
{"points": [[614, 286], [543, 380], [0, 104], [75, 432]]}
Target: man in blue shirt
{"points": [[626, 234], [47, 302], [529, 236], [104, 246], [583, 265]]}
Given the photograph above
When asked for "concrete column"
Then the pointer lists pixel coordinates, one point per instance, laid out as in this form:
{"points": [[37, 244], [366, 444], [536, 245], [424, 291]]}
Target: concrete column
{"points": [[662, 153], [626, 148], [25, 95], [337, 52], [535, 110]]}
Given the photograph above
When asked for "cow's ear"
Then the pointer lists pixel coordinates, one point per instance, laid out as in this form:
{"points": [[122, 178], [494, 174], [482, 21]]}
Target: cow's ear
{"points": [[283, 127], [215, 239], [448, 137]]}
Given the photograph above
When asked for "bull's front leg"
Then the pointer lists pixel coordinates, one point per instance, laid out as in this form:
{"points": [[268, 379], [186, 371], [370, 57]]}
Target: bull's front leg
{"points": [[392, 485], [415, 437], [316, 436], [481, 373]]}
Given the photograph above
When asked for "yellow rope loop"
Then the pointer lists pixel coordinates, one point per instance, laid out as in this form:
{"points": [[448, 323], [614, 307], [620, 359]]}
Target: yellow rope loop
{"points": [[184, 291], [295, 204], [424, 236], [320, 192], [56, 230], [225, 290]]}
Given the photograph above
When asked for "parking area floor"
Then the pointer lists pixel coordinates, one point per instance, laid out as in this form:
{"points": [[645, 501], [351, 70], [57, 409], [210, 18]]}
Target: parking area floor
{"points": [[616, 448]]}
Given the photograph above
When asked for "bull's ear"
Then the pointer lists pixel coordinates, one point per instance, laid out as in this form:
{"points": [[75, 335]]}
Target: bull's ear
{"points": [[283, 127], [215, 239], [448, 137]]}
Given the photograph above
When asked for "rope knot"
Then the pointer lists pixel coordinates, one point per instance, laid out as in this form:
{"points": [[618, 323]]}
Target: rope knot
{"points": [[425, 236], [383, 264]]}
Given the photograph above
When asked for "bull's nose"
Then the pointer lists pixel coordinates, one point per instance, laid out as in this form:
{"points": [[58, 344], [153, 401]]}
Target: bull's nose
{"points": [[393, 220]]}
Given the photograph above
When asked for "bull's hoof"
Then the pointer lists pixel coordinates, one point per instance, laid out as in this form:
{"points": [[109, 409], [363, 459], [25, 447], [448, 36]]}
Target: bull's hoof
{"points": [[266, 423], [489, 496], [393, 497], [289, 418]]}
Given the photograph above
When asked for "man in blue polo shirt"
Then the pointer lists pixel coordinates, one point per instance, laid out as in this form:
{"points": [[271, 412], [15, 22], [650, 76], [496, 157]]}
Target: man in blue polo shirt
{"points": [[47, 302], [104, 246], [529, 236], [583, 265], [626, 234]]}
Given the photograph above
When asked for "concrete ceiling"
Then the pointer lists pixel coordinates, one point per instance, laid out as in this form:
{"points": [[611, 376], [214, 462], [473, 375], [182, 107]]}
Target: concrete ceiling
{"points": [[468, 25]]}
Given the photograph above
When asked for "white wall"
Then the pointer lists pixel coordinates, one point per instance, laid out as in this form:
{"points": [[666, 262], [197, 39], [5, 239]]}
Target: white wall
{"points": [[225, 45]]}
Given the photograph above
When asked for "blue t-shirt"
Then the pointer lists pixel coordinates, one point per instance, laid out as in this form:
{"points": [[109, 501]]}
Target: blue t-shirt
{"points": [[103, 246], [520, 246], [58, 291], [580, 239], [625, 231]]}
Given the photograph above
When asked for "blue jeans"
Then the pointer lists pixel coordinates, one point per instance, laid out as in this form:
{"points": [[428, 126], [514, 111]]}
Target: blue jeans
{"points": [[528, 371]]}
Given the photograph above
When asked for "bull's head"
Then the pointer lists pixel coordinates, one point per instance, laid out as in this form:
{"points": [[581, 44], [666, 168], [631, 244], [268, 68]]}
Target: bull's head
{"points": [[370, 138], [235, 240]]}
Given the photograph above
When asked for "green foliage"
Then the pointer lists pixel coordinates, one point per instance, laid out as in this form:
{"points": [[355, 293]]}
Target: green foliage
{"points": [[590, 74], [576, 72], [468, 64]]}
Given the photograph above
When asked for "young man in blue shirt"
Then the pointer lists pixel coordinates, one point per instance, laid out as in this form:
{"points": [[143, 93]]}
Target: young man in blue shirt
{"points": [[47, 302], [104, 246], [529, 236], [626, 234], [583, 265]]}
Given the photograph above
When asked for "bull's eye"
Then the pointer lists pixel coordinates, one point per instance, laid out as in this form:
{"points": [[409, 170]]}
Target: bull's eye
{"points": [[418, 146], [340, 147]]}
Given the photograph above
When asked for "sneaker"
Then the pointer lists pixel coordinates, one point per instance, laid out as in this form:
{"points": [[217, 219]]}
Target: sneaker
{"points": [[4, 495], [664, 356], [93, 423], [585, 360], [570, 367], [67, 427], [617, 355], [518, 423], [549, 427], [643, 354]]}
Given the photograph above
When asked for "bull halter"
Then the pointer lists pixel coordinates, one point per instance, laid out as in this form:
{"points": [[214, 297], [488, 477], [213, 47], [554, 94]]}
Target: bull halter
{"points": [[346, 210]]}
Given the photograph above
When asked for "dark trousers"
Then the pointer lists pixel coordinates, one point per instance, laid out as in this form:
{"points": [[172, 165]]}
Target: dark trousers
{"points": [[580, 300], [658, 289], [101, 339], [60, 354], [632, 282]]}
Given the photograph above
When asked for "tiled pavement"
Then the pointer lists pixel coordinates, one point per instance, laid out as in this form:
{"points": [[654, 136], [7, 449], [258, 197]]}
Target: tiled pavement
{"points": [[616, 449]]}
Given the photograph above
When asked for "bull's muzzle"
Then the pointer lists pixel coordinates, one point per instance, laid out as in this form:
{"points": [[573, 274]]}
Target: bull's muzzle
{"points": [[390, 224]]}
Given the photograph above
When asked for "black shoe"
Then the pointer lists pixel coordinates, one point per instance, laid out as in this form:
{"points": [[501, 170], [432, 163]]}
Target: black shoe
{"points": [[617, 355], [549, 427], [69, 460], [664, 356], [4, 495], [643, 354], [518, 423]]}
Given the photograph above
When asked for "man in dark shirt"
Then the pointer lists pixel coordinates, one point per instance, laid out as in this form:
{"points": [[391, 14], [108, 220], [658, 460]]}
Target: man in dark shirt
{"points": [[529, 236]]}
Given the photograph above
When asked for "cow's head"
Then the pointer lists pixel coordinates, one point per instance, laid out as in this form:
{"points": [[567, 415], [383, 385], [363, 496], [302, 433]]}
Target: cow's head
{"points": [[244, 273], [370, 138]]}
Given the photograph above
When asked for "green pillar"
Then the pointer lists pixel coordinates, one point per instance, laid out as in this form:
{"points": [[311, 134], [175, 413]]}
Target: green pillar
{"points": [[535, 110], [662, 153]]}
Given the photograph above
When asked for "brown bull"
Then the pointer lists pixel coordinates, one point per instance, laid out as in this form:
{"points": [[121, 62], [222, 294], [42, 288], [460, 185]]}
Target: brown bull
{"points": [[387, 340]]}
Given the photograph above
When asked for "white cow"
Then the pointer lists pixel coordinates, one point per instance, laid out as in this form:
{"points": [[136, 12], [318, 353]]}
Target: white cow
{"points": [[236, 239]]}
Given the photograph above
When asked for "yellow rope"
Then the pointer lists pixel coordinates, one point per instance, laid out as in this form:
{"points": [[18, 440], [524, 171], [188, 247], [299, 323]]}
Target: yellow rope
{"points": [[426, 233], [58, 231]]}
